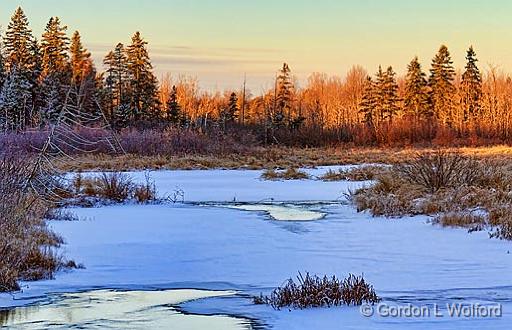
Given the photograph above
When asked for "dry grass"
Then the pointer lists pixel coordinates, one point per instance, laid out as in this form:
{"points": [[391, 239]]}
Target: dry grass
{"points": [[313, 291], [272, 157], [28, 249], [460, 191], [114, 187], [362, 173], [289, 174]]}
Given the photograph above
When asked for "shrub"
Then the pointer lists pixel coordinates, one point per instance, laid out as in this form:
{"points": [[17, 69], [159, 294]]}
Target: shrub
{"points": [[440, 170], [313, 291]]}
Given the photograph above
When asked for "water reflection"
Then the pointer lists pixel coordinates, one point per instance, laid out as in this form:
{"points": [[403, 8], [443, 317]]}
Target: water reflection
{"points": [[120, 310]]}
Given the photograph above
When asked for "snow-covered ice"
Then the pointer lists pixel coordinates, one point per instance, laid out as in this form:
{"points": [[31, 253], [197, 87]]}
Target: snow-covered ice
{"points": [[207, 246]]}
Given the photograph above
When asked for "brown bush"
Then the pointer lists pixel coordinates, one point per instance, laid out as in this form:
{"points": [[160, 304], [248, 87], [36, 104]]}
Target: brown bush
{"points": [[313, 291]]}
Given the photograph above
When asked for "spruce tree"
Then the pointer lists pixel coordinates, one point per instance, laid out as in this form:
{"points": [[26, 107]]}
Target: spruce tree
{"points": [[231, 112], [81, 63], [471, 86], [416, 99], [3, 73], [368, 103], [174, 114], [144, 85], [441, 79], [117, 87], [283, 97], [380, 96], [55, 46], [18, 43], [15, 101], [390, 99]]}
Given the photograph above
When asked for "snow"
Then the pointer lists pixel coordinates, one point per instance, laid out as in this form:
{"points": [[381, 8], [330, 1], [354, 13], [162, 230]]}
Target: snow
{"points": [[283, 212], [208, 246], [115, 309]]}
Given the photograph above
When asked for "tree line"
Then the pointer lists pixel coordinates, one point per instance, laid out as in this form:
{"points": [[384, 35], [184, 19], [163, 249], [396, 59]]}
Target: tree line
{"points": [[39, 77]]}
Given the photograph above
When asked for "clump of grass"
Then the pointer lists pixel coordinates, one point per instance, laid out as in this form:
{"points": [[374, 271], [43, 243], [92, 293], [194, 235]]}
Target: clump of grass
{"points": [[472, 222], [312, 291], [113, 187], [146, 192], [290, 173], [448, 186], [362, 173]]}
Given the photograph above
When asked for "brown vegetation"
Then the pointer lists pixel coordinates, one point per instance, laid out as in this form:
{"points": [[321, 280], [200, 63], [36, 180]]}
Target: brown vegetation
{"points": [[28, 249], [114, 187], [312, 291], [359, 173], [459, 190], [290, 173]]}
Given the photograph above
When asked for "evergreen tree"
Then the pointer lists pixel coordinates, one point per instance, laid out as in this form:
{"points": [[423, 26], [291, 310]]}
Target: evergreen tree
{"points": [[369, 102], [471, 86], [230, 114], [174, 114], [380, 96], [416, 91], [3, 73], [18, 43], [83, 75], [283, 97], [81, 63], [117, 87], [441, 83], [144, 86], [15, 101], [389, 95], [53, 101], [55, 46]]}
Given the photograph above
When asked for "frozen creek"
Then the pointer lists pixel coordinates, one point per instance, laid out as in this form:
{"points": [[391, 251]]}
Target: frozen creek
{"points": [[187, 265]]}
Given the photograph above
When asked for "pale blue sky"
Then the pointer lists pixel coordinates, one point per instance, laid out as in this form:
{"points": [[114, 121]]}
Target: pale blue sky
{"points": [[219, 40]]}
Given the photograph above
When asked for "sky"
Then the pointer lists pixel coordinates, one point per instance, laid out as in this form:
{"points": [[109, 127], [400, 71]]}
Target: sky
{"points": [[220, 41]]}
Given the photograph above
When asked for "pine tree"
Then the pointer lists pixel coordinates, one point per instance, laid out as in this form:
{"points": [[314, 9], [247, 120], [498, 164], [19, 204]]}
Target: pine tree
{"points": [[471, 86], [143, 83], [416, 92], [18, 43], [174, 114], [55, 46], [369, 102], [441, 83], [15, 101]]}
